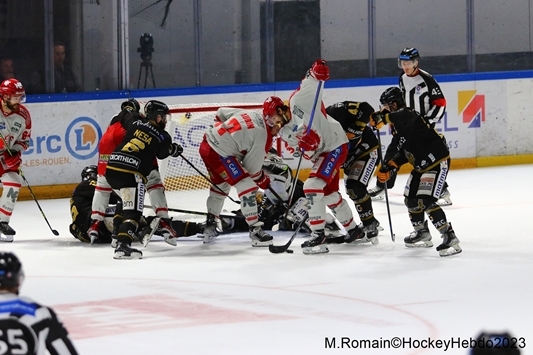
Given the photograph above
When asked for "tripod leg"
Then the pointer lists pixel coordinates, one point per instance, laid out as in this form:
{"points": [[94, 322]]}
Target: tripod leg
{"points": [[152, 72], [145, 75], [139, 80]]}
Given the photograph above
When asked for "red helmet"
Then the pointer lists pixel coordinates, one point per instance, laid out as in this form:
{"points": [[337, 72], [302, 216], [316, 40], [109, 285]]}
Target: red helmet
{"points": [[12, 87], [271, 105]]}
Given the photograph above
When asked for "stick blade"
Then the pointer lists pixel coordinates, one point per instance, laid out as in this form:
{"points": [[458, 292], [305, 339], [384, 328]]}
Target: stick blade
{"points": [[56, 233], [277, 249]]}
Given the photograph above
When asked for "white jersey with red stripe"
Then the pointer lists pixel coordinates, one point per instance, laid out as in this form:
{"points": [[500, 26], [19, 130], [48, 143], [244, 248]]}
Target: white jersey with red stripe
{"points": [[301, 105], [242, 134], [16, 128]]}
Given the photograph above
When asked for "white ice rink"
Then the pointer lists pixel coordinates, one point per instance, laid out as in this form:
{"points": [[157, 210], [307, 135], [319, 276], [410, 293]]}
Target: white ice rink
{"points": [[231, 298]]}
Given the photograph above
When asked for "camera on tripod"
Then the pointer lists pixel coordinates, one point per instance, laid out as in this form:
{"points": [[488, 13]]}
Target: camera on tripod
{"points": [[147, 47]]}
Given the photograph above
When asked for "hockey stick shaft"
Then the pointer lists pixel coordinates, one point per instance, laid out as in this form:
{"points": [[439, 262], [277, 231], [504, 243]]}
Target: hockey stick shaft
{"points": [[55, 232], [312, 116], [209, 180], [200, 213], [380, 157]]}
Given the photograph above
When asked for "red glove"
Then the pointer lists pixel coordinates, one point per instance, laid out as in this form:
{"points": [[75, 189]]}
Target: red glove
{"points": [[320, 70], [11, 162], [309, 142], [2, 145], [263, 181]]}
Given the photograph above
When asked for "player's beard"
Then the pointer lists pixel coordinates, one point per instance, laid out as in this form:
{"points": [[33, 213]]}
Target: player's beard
{"points": [[12, 107]]}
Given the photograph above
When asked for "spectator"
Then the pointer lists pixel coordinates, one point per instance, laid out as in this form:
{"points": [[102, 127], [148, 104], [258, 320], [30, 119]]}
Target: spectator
{"points": [[7, 71], [64, 78]]}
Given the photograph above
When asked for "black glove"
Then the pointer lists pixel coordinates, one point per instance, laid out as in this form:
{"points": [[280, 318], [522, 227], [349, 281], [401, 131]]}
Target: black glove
{"points": [[131, 105], [175, 150]]}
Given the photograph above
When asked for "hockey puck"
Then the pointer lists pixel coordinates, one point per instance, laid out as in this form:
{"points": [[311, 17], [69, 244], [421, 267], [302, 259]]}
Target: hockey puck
{"points": [[289, 251]]}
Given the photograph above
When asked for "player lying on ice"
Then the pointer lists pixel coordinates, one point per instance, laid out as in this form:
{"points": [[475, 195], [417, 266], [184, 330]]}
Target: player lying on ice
{"points": [[80, 208]]}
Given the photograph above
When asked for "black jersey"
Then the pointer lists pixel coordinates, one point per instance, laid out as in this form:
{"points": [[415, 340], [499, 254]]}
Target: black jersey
{"points": [[27, 327], [354, 117], [143, 142], [422, 93], [415, 141]]}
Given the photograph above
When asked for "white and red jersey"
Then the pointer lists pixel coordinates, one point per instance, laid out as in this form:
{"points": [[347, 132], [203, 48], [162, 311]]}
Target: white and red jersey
{"points": [[242, 134], [301, 105], [16, 128]]}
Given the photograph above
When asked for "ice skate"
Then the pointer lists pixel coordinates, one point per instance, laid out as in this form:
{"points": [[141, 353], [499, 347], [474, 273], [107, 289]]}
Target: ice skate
{"points": [[93, 230], [331, 228], [210, 231], [376, 193], [419, 238], [450, 243], [445, 199], [114, 241], [166, 230], [258, 236], [317, 244], [373, 229], [124, 251], [6, 232]]}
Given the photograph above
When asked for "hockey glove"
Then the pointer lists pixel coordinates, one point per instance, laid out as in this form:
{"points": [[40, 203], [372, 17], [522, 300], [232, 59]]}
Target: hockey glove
{"points": [[378, 120], [131, 105], [175, 150], [309, 142], [263, 181], [320, 70], [12, 160], [386, 170]]}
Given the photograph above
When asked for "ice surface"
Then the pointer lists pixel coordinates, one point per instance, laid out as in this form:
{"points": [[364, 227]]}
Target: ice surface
{"points": [[231, 298]]}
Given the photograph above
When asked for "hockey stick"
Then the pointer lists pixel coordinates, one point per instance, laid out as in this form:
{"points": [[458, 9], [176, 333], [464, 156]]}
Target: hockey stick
{"points": [[380, 157], [278, 249], [195, 212], [55, 232], [209, 180], [293, 187]]}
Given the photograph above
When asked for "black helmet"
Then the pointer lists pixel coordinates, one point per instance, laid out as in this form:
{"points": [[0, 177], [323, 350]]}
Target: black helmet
{"points": [[131, 104], [392, 94], [408, 54], [153, 108], [11, 273], [89, 173]]}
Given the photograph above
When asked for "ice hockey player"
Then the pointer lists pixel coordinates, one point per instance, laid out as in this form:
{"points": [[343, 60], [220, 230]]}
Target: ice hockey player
{"points": [[29, 327], [112, 137], [272, 210], [130, 164], [423, 94], [233, 152], [81, 208], [361, 161], [326, 145], [15, 131], [422, 147]]}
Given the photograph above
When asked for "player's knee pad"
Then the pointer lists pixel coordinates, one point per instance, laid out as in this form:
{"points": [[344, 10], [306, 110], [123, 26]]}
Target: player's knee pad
{"points": [[246, 188], [356, 190], [314, 187]]}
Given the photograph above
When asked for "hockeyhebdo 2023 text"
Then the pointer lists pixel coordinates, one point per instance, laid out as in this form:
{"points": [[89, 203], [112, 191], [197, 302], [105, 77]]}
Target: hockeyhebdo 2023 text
{"points": [[427, 343]]}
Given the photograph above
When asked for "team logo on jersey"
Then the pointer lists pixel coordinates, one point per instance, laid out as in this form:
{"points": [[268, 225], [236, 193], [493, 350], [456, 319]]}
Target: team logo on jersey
{"points": [[82, 137], [472, 107]]}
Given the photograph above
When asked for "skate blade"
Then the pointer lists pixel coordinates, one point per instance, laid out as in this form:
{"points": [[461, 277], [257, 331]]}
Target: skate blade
{"points": [[443, 202], [259, 244], [6, 238], [93, 239], [427, 244], [122, 256], [171, 241], [319, 249], [377, 198], [207, 239], [153, 227], [454, 249]]}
